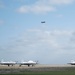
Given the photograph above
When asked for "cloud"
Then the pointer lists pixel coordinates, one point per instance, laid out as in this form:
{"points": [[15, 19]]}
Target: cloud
{"points": [[43, 6], [40, 44], [36, 8], [57, 2]]}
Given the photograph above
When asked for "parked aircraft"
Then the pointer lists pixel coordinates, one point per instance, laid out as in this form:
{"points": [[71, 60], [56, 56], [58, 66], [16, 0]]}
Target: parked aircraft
{"points": [[28, 63], [7, 63], [72, 62]]}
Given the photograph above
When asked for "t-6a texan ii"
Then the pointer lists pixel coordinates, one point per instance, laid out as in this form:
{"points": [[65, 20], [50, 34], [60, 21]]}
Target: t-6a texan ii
{"points": [[28, 63], [7, 63], [72, 62]]}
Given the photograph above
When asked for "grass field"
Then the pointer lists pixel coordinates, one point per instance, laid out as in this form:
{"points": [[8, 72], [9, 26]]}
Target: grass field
{"points": [[46, 73]]}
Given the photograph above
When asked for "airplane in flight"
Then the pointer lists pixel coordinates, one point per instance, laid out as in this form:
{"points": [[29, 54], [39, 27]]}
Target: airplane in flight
{"points": [[72, 62], [28, 63], [43, 22], [7, 63]]}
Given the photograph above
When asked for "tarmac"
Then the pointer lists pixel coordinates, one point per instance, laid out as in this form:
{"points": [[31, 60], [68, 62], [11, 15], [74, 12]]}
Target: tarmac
{"points": [[4, 69], [36, 66]]}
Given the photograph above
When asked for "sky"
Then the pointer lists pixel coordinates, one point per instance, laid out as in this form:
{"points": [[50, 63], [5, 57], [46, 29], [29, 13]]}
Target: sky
{"points": [[24, 37]]}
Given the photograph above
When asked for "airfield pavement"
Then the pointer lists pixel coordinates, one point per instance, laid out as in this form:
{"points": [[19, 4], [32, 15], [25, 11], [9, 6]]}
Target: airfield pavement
{"points": [[4, 69]]}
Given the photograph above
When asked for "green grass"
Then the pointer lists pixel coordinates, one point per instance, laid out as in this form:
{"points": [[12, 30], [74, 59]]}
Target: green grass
{"points": [[46, 73]]}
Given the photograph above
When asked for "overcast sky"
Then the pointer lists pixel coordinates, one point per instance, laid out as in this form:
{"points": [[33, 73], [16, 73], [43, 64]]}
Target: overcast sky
{"points": [[24, 37]]}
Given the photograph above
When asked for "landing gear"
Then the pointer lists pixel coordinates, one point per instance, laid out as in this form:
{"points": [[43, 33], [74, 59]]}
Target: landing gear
{"points": [[8, 65], [19, 65], [28, 65]]}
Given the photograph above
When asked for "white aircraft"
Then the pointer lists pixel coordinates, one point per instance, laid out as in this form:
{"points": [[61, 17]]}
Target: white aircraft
{"points": [[28, 63], [72, 62], [7, 63]]}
